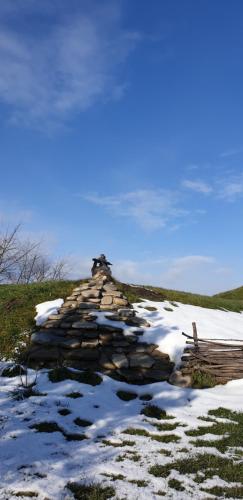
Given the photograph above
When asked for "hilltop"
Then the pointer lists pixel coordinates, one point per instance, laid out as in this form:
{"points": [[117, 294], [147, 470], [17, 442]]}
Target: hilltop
{"points": [[17, 304]]}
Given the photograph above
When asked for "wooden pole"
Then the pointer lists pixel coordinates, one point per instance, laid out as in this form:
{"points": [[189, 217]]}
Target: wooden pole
{"points": [[195, 337]]}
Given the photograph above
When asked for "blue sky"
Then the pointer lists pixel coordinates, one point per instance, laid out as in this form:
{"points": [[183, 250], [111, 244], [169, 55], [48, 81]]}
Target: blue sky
{"points": [[121, 133]]}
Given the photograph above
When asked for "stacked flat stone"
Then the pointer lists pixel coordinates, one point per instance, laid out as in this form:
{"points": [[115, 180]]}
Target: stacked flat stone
{"points": [[75, 337]]}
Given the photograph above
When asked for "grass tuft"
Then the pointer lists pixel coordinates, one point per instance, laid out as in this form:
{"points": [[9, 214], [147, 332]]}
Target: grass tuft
{"points": [[91, 491], [64, 412], [153, 411], [176, 485], [74, 395], [81, 422], [202, 380], [126, 396]]}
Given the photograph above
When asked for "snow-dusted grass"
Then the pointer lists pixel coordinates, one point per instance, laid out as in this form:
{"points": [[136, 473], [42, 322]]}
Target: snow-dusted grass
{"points": [[131, 447]]}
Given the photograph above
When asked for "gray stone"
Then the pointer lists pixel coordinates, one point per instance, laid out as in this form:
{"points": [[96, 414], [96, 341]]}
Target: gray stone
{"points": [[69, 303], [104, 307], [137, 322], [120, 343], [120, 360], [51, 324], [42, 354], [110, 287], [105, 339], [107, 300], [177, 378], [106, 363], [87, 305], [158, 375], [109, 329], [85, 325], [126, 312], [113, 293], [45, 338], [90, 343], [55, 316], [131, 338], [142, 360], [90, 294], [66, 324], [82, 354], [120, 302], [70, 343], [83, 334]]}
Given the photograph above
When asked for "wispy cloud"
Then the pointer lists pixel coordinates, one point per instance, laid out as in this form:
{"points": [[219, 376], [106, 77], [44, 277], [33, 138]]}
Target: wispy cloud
{"points": [[231, 189], [198, 186], [150, 209], [230, 152], [73, 62]]}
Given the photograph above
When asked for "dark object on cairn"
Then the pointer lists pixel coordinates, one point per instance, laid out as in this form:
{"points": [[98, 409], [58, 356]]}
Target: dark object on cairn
{"points": [[101, 266]]}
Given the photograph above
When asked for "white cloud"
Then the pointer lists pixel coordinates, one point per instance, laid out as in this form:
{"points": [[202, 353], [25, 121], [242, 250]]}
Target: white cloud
{"points": [[231, 189], [150, 209], [188, 273], [73, 62], [198, 186]]}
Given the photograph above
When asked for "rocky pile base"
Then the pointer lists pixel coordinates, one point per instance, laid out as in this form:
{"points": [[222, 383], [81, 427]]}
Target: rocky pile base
{"points": [[81, 337]]}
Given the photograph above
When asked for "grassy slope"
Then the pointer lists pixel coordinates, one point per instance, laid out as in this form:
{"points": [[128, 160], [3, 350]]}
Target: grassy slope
{"points": [[17, 304], [154, 293], [236, 294], [17, 308]]}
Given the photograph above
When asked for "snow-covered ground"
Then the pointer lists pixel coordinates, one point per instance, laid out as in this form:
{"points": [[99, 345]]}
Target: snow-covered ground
{"points": [[45, 462]]}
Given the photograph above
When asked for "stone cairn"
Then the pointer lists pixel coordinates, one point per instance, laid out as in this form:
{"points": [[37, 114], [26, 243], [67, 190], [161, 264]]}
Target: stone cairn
{"points": [[77, 336]]}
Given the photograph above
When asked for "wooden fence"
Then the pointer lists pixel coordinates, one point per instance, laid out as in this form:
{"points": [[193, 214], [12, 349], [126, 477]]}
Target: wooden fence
{"points": [[221, 358]]}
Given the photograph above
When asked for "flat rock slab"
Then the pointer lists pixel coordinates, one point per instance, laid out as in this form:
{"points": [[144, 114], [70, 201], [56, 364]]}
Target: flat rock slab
{"points": [[45, 338], [137, 322], [120, 302], [81, 354], [120, 360], [85, 325], [86, 305], [141, 360]]}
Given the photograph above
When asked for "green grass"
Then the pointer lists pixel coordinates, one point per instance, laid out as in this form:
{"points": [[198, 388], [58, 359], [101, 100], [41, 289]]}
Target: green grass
{"points": [[225, 492], [232, 301], [17, 310], [202, 380], [127, 442], [162, 438], [132, 431], [176, 485], [230, 433], [91, 491], [153, 411], [139, 482], [236, 294], [208, 464]]}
